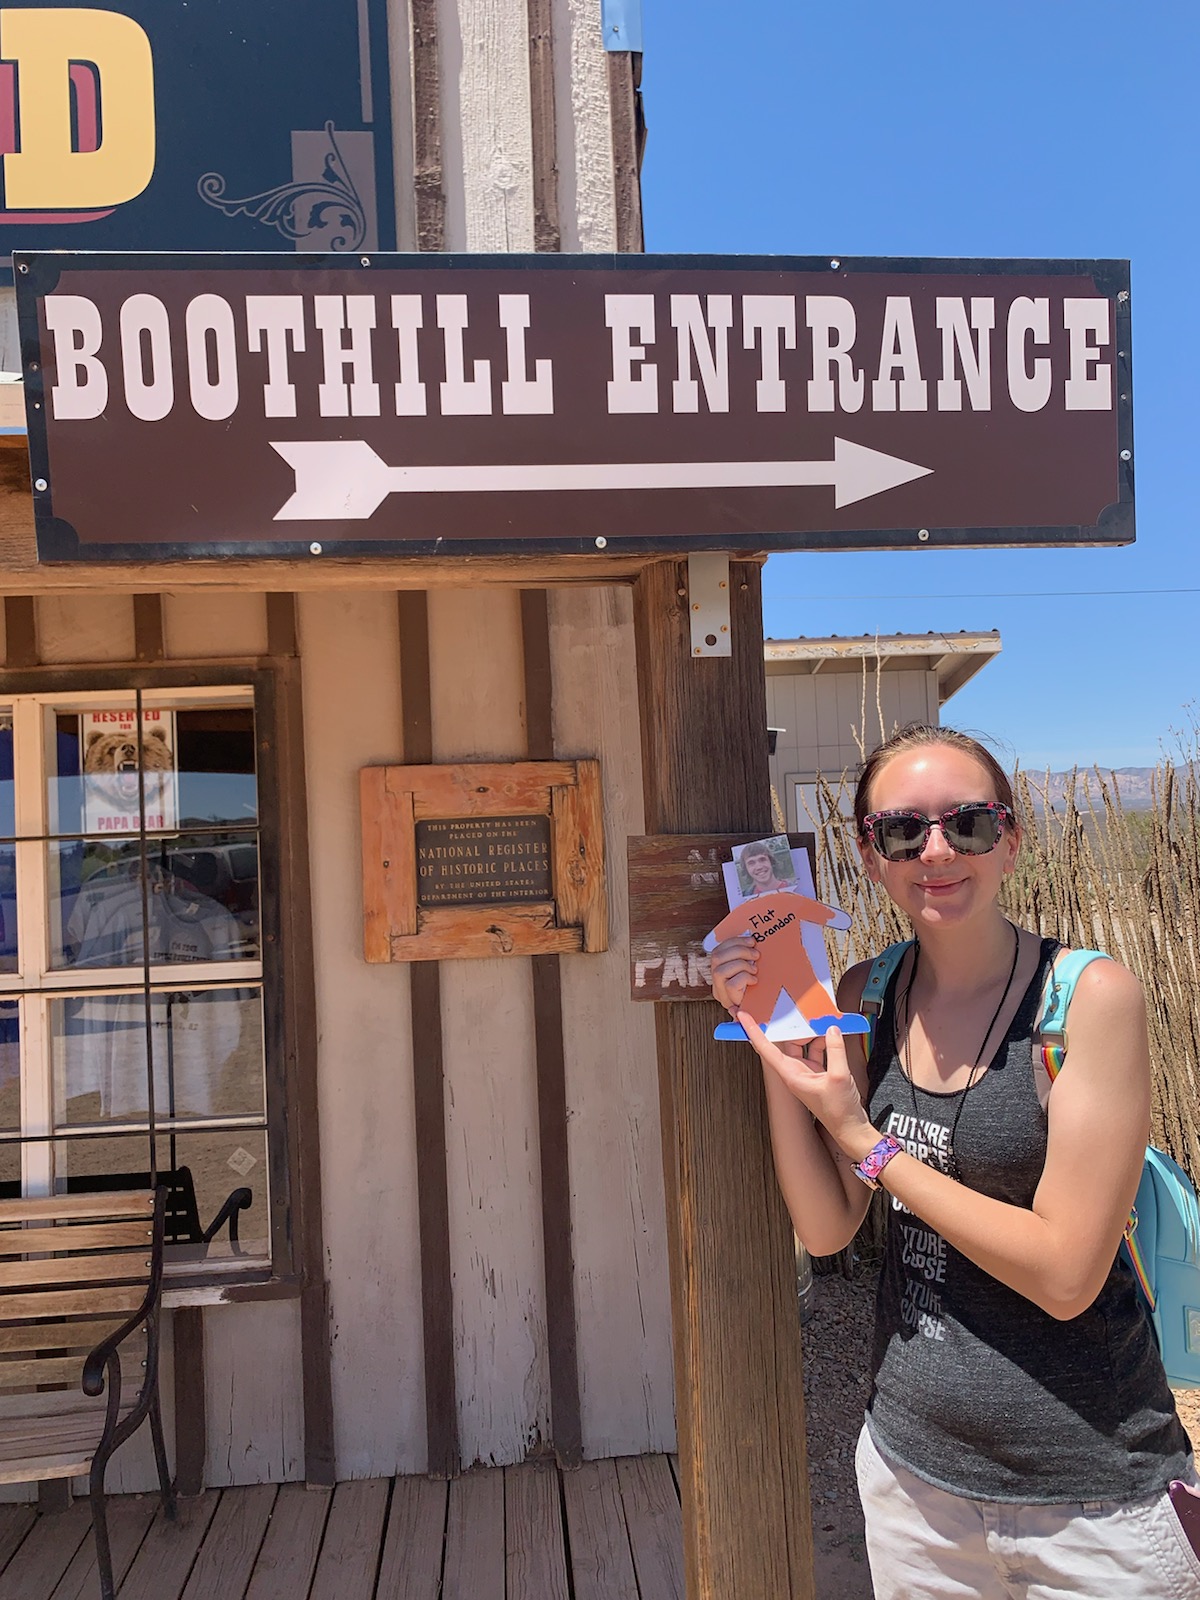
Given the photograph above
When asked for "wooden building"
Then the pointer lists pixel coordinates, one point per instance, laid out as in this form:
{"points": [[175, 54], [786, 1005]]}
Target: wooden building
{"points": [[828, 698], [475, 1185]]}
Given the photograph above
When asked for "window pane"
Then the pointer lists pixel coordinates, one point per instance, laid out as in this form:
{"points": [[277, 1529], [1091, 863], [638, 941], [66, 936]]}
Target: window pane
{"points": [[217, 782], [10, 1068], [8, 821], [221, 1164], [208, 1056], [8, 909], [92, 769], [201, 897], [203, 1172], [10, 1172]]}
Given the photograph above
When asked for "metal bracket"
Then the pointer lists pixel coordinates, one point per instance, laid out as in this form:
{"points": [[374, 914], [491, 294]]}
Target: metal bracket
{"points": [[622, 24], [708, 605]]}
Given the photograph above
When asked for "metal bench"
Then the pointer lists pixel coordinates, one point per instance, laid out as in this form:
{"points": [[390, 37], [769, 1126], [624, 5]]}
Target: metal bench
{"points": [[80, 1293]]}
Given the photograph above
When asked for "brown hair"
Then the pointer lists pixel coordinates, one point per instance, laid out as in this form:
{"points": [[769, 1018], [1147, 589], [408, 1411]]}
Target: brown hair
{"points": [[912, 737]]}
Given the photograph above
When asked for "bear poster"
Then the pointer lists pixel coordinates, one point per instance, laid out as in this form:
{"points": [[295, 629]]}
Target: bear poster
{"points": [[109, 755]]}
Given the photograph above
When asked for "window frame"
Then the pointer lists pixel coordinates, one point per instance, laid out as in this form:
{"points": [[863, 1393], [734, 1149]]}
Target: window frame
{"points": [[283, 1275]]}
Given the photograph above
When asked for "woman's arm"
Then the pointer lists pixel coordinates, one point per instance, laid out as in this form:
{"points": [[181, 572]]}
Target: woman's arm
{"points": [[1059, 1252], [825, 1201]]}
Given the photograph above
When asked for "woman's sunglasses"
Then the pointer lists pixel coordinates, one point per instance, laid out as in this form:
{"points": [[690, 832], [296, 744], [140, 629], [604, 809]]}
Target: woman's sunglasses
{"points": [[970, 830]]}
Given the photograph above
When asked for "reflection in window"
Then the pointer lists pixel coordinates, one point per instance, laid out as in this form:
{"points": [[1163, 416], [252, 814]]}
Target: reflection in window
{"points": [[8, 909], [192, 767], [207, 1046], [201, 896], [10, 1066], [217, 1184], [8, 820]]}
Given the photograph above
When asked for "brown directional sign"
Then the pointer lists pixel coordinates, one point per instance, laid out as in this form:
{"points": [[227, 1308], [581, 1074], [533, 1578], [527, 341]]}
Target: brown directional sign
{"points": [[248, 405]]}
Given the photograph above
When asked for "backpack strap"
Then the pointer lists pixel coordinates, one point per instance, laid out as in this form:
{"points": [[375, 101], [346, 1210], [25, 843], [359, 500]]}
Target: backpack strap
{"points": [[1060, 986], [1052, 1027], [878, 978]]}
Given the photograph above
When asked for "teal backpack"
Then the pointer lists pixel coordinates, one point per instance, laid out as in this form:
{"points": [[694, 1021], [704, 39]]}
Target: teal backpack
{"points": [[1162, 1237]]}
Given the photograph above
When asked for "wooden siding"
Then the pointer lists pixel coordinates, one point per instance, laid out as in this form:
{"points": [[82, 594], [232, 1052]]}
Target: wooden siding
{"points": [[502, 1371], [207, 627], [350, 662], [621, 1279], [85, 628], [818, 716], [586, 190], [486, 124]]}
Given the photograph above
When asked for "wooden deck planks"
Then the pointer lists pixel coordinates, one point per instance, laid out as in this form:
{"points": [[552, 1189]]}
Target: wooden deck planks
{"points": [[601, 1562], [413, 1545], [129, 1518], [288, 1556], [609, 1530], [161, 1567], [226, 1560], [475, 1538], [350, 1553], [653, 1518], [45, 1553], [15, 1523], [535, 1560]]}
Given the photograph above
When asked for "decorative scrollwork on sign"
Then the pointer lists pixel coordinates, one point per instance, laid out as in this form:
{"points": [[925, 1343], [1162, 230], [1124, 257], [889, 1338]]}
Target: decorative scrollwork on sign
{"points": [[298, 210]]}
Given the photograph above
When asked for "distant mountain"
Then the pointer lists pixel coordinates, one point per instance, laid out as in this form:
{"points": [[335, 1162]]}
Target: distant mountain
{"points": [[1132, 783]]}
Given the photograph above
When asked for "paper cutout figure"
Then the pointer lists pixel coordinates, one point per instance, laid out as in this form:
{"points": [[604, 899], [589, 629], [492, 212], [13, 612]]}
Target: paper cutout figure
{"points": [[793, 997]]}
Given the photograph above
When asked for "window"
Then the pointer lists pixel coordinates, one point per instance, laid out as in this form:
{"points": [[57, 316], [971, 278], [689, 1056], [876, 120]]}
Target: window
{"points": [[132, 1035]]}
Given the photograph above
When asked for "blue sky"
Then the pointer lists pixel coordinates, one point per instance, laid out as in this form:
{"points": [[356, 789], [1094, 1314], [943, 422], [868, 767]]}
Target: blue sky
{"points": [[1045, 129]]}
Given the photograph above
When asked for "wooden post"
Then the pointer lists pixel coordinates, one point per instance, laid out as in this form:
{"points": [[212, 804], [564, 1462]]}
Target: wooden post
{"points": [[738, 1396]]}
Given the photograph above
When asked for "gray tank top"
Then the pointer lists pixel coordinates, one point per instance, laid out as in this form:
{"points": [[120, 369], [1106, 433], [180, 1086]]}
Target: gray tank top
{"points": [[976, 1389]]}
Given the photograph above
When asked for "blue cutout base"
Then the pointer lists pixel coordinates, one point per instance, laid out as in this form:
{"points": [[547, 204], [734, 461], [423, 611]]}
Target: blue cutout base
{"points": [[851, 1022]]}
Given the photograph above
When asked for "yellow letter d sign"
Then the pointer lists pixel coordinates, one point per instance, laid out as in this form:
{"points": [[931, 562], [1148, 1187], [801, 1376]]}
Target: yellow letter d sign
{"points": [[47, 173]]}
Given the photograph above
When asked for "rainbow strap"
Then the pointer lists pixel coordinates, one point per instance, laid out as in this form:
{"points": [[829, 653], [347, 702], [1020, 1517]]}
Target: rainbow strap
{"points": [[1053, 1056]]}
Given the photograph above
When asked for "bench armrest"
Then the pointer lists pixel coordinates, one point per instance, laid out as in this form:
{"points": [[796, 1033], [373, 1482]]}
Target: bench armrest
{"points": [[104, 1355], [239, 1200]]}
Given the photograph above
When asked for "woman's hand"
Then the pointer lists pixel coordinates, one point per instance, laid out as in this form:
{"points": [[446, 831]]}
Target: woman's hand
{"points": [[817, 1073], [734, 969]]}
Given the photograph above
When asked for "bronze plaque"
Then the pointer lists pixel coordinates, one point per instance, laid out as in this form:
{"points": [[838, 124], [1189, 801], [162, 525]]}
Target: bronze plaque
{"points": [[483, 861]]}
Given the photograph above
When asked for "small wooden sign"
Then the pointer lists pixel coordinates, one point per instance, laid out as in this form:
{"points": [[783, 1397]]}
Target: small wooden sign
{"points": [[482, 860], [676, 896]]}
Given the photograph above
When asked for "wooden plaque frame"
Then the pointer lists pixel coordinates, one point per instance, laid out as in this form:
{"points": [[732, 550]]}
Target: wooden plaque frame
{"points": [[395, 799]]}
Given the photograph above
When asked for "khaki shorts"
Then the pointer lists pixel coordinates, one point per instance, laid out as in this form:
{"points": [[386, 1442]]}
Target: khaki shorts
{"points": [[926, 1544]]}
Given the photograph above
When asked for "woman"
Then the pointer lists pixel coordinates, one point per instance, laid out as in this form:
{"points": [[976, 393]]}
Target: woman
{"points": [[1021, 1434]]}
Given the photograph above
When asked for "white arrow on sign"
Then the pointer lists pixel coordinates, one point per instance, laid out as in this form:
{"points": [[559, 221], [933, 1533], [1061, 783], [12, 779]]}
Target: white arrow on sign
{"points": [[341, 480]]}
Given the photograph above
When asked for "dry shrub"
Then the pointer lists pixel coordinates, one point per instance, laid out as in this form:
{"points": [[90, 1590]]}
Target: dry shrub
{"points": [[1092, 874]]}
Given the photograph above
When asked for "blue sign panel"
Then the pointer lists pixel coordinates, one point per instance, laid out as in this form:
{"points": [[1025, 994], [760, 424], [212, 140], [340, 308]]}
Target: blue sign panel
{"points": [[195, 124]]}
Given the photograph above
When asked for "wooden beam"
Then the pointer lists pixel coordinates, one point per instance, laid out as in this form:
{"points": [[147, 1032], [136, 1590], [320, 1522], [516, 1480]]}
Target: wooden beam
{"points": [[429, 1092], [191, 1419], [738, 1391], [20, 632], [282, 628], [550, 1054], [299, 969], [428, 186], [546, 231], [148, 628], [626, 144]]}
